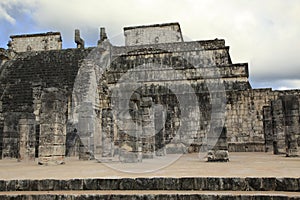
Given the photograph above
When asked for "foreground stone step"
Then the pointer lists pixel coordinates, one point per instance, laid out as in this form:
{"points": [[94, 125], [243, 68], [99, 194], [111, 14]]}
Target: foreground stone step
{"points": [[157, 183], [148, 195], [145, 195]]}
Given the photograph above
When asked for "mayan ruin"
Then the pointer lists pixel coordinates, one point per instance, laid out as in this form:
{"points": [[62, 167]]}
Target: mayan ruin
{"points": [[154, 97]]}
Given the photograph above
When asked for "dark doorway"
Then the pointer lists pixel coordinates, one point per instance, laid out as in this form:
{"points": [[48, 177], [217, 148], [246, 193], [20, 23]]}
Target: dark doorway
{"points": [[37, 140]]}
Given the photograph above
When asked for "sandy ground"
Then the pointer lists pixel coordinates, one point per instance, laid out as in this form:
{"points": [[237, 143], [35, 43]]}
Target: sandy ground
{"points": [[188, 165]]}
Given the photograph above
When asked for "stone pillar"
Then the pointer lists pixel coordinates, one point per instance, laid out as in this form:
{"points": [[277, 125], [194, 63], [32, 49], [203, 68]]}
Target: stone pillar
{"points": [[159, 124], [131, 133], [78, 40], [147, 121], [278, 127], [268, 128], [107, 133], [291, 116], [217, 137], [103, 36], [27, 137], [97, 134], [86, 130], [10, 145], [52, 127]]}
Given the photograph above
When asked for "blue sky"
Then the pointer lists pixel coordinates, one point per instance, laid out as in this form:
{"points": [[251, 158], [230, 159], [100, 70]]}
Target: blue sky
{"points": [[264, 33]]}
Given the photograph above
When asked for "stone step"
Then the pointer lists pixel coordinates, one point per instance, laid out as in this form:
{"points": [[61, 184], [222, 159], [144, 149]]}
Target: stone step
{"points": [[156, 183], [148, 194]]}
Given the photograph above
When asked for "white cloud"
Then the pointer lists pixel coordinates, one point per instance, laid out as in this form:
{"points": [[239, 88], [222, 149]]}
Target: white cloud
{"points": [[4, 15], [9, 7]]}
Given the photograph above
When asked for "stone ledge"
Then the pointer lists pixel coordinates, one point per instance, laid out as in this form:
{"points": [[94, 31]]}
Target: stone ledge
{"points": [[142, 195], [169, 183]]}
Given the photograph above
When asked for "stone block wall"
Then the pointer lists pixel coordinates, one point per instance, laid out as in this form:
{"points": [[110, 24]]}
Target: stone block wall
{"points": [[10, 135], [244, 119], [23, 79], [153, 34], [36, 42], [18, 136], [282, 116], [157, 59], [5, 55], [202, 69]]}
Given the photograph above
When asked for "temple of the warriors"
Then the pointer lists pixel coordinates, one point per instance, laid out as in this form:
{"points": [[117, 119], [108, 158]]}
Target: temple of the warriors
{"points": [[154, 96]]}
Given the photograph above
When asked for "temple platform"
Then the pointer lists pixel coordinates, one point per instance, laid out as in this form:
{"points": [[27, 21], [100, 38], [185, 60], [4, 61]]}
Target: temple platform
{"points": [[250, 164], [245, 176]]}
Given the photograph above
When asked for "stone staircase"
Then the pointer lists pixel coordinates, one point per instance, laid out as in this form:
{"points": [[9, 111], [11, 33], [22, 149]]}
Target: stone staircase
{"points": [[188, 188]]}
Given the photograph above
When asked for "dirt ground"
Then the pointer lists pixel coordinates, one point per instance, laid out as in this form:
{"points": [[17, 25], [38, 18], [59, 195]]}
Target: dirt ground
{"points": [[188, 165]]}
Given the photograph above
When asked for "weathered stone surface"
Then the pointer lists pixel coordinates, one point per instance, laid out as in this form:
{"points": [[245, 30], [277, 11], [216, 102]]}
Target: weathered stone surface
{"points": [[166, 69], [10, 135], [79, 41], [285, 135], [149, 197], [141, 35], [158, 183], [268, 128], [288, 184], [27, 137], [51, 149], [36, 42], [217, 156]]}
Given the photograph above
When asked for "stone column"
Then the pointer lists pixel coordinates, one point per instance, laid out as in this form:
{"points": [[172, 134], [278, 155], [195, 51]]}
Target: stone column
{"points": [[131, 130], [217, 144], [52, 127], [86, 129], [217, 137], [291, 112], [278, 127], [159, 123], [27, 137], [147, 121], [10, 145], [107, 133], [97, 134], [78, 40], [268, 128]]}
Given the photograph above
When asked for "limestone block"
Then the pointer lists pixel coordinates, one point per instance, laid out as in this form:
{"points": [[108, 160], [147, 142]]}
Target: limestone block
{"points": [[217, 156]]}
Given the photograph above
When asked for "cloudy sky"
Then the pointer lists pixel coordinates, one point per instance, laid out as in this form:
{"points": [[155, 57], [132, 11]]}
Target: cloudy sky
{"points": [[264, 33]]}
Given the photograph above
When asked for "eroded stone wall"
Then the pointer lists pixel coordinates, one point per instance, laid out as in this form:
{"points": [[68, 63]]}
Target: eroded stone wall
{"points": [[162, 33], [244, 119], [36, 42], [281, 120], [165, 68], [10, 135]]}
